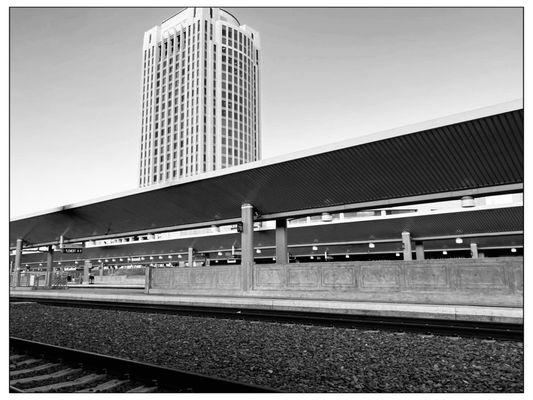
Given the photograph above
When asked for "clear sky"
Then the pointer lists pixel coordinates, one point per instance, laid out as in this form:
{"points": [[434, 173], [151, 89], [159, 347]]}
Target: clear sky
{"points": [[327, 75]]}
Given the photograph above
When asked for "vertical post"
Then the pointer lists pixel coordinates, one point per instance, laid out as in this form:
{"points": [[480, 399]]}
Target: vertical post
{"points": [[86, 266], [406, 241], [11, 272], [101, 272], [247, 245], [191, 256], [419, 248], [147, 278], [281, 241], [49, 267], [18, 257], [473, 250]]}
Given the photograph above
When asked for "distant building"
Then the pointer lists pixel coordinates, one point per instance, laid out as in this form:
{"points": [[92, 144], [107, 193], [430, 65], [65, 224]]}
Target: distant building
{"points": [[200, 96]]}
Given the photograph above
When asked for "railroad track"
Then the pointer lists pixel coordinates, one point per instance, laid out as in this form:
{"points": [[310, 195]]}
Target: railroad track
{"points": [[38, 367], [485, 330]]}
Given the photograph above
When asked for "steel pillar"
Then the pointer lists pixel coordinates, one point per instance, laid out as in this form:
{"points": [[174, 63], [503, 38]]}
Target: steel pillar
{"points": [[473, 250], [419, 248], [406, 241], [49, 266], [18, 257], [86, 266], [190, 254], [147, 279], [247, 245], [281, 242]]}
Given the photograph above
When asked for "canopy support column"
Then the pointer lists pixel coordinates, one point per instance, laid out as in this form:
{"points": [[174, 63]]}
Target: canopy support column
{"points": [[18, 257], [419, 248], [190, 256], [247, 245], [147, 279], [281, 242], [473, 250], [86, 266], [49, 266], [406, 242]]}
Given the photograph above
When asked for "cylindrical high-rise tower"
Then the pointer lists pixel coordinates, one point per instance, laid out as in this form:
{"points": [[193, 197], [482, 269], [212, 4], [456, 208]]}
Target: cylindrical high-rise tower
{"points": [[200, 95]]}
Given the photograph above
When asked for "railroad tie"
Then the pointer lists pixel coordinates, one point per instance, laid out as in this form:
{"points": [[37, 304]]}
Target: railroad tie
{"points": [[40, 378], [16, 357], [29, 361], [42, 367], [109, 385], [143, 389], [84, 380]]}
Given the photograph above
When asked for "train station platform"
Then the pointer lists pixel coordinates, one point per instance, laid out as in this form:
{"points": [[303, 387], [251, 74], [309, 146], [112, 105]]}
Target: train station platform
{"points": [[131, 296]]}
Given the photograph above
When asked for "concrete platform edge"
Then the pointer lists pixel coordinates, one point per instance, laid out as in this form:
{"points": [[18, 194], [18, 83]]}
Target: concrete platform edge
{"points": [[448, 312]]}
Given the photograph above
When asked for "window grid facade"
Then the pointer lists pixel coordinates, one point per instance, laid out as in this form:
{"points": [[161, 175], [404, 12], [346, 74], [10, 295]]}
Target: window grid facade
{"points": [[200, 96]]}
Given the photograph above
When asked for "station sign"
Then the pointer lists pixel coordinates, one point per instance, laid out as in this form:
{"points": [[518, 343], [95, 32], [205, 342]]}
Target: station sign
{"points": [[70, 250]]}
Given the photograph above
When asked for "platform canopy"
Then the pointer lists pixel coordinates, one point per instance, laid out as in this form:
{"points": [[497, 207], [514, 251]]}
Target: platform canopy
{"points": [[489, 228], [472, 154]]}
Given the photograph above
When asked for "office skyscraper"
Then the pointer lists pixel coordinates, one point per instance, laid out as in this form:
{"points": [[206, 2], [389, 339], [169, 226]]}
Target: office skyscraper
{"points": [[200, 96]]}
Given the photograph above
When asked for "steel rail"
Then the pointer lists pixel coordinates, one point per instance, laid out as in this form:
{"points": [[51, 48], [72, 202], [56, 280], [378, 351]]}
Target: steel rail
{"points": [[166, 379]]}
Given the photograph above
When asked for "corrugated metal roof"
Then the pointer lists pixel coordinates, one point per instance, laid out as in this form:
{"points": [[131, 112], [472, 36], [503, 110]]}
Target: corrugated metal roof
{"points": [[471, 155], [508, 219]]}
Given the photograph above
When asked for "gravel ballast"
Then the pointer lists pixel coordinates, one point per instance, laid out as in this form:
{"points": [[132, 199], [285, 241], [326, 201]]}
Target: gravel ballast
{"points": [[287, 357]]}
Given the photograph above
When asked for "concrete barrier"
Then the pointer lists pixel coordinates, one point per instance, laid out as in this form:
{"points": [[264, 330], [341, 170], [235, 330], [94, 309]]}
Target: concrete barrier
{"points": [[480, 282], [483, 282], [119, 280], [223, 279]]}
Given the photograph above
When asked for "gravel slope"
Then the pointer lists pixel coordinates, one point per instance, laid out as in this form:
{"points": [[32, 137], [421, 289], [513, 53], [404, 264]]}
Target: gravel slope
{"points": [[288, 357]]}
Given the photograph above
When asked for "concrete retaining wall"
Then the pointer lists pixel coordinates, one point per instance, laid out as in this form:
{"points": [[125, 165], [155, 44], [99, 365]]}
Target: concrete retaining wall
{"points": [[119, 279], [224, 279], [483, 282]]}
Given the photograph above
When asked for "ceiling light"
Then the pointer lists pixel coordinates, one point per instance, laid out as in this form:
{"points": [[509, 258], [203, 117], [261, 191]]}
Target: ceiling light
{"points": [[120, 259], [347, 256], [219, 253], [459, 240], [258, 251], [160, 257], [326, 217], [312, 258], [169, 256], [467, 201], [315, 248], [371, 245], [513, 250], [397, 254], [113, 260], [179, 255], [444, 252]]}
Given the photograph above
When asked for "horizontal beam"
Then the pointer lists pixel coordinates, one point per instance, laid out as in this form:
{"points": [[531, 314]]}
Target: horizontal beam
{"points": [[501, 189], [469, 235], [174, 228]]}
